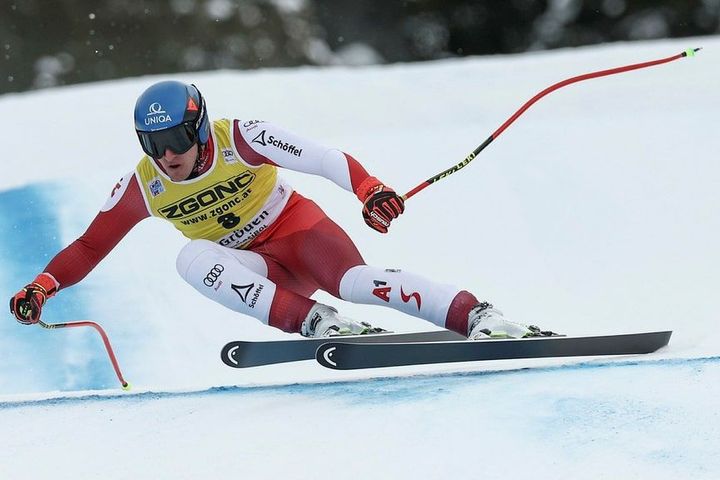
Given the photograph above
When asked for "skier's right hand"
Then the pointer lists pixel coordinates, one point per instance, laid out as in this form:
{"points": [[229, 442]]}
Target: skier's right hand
{"points": [[27, 304], [380, 204]]}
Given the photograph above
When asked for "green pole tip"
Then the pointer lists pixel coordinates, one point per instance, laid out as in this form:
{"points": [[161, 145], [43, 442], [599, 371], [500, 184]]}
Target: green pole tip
{"points": [[690, 52], [127, 387]]}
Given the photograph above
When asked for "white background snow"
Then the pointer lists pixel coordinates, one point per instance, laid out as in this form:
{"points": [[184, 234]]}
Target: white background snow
{"points": [[596, 212]]}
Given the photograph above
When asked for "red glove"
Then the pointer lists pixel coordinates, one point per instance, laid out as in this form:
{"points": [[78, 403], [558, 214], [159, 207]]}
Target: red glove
{"points": [[27, 304], [380, 204]]}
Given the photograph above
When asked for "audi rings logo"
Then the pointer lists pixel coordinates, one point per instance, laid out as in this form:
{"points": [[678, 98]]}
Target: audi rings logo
{"points": [[155, 108], [213, 275]]}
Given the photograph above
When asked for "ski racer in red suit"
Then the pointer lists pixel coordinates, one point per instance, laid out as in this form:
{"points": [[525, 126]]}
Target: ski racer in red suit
{"points": [[256, 246]]}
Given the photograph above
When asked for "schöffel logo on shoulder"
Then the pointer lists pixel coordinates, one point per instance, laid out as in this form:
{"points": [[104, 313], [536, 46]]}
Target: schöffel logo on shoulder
{"points": [[208, 197], [156, 115], [277, 143]]}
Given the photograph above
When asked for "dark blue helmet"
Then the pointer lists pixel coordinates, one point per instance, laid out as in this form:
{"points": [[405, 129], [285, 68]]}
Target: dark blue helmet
{"points": [[171, 115]]}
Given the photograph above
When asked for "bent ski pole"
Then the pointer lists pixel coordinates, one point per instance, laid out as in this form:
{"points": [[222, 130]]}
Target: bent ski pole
{"points": [[106, 341], [687, 53]]}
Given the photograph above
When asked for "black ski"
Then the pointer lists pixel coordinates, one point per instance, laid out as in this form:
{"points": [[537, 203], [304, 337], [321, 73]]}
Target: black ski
{"points": [[341, 355], [241, 354]]}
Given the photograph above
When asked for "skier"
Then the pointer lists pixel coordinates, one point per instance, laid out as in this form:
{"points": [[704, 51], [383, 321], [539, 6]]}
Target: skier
{"points": [[256, 246]]}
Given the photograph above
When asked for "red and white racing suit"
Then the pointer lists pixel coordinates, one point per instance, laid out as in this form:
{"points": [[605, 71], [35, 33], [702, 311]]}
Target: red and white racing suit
{"points": [[256, 246]]}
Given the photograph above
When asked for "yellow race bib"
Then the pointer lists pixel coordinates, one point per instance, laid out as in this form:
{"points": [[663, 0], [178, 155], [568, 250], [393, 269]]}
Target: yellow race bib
{"points": [[229, 204]]}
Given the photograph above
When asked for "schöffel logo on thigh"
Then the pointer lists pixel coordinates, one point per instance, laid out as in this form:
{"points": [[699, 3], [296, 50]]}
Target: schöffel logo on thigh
{"points": [[213, 275], [244, 291]]}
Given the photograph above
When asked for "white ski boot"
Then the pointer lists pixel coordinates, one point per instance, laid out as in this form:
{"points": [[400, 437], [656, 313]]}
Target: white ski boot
{"points": [[324, 321], [486, 322]]}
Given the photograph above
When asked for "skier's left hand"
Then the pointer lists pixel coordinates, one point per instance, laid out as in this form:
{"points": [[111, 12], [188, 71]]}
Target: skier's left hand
{"points": [[380, 204]]}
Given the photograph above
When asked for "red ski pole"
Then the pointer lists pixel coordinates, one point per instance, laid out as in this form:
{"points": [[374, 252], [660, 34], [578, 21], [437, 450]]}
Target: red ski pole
{"points": [[106, 341], [687, 53]]}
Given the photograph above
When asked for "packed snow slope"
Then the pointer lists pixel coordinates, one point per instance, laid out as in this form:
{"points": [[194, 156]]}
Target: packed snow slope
{"points": [[596, 212]]}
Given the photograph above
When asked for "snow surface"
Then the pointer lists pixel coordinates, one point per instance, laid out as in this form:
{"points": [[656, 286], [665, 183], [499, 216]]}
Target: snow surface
{"points": [[596, 212]]}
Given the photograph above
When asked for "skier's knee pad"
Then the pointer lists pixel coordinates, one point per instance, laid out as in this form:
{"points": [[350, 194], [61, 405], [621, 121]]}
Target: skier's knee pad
{"points": [[192, 252], [233, 278]]}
